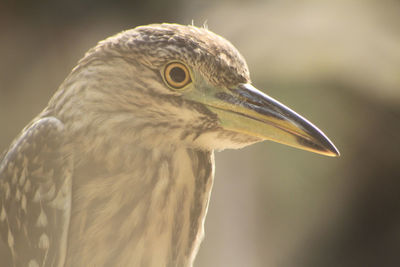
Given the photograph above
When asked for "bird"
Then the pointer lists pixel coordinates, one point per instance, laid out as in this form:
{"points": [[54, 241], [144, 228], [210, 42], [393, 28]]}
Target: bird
{"points": [[118, 168]]}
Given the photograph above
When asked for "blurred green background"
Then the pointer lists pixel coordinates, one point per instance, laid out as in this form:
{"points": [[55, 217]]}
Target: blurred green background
{"points": [[335, 62]]}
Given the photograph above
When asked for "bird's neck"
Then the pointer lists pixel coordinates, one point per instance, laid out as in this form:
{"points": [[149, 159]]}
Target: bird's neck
{"points": [[148, 213]]}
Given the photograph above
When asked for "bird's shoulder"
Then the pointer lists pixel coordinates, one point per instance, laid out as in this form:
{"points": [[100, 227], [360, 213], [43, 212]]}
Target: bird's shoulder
{"points": [[35, 195]]}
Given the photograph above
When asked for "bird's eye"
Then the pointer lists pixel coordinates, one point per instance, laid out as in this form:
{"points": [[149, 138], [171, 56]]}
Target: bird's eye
{"points": [[176, 75]]}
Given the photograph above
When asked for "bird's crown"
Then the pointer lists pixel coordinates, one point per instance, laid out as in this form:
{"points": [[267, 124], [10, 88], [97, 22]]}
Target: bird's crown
{"points": [[156, 44]]}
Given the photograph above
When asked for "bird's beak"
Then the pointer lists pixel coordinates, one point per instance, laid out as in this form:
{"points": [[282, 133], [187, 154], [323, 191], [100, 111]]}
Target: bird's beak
{"points": [[247, 110]]}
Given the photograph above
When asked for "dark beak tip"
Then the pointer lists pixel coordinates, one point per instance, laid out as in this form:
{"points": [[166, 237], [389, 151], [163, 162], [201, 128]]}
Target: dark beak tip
{"points": [[335, 152], [330, 149]]}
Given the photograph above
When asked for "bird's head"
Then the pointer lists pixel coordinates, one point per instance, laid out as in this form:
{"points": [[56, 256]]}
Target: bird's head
{"points": [[182, 85]]}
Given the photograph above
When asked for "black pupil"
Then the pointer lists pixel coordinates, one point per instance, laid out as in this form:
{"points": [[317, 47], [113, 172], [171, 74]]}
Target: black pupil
{"points": [[177, 74]]}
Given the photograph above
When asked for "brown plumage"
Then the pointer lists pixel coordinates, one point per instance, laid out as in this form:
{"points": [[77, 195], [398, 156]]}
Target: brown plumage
{"points": [[117, 170]]}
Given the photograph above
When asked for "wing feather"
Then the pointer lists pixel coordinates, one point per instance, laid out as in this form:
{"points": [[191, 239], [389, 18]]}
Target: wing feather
{"points": [[35, 196]]}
